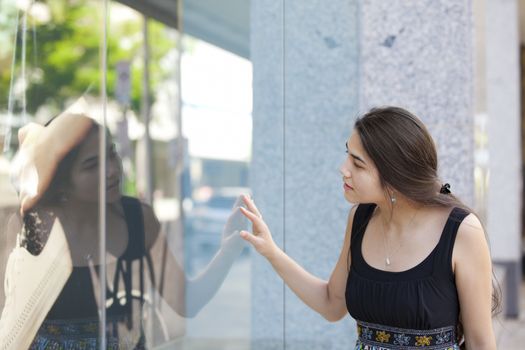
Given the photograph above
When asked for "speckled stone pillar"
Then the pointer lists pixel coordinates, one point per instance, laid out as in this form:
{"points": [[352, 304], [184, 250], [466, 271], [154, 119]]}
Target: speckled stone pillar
{"points": [[267, 171], [419, 55], [321, 85], [304, 55], [317, 65]]}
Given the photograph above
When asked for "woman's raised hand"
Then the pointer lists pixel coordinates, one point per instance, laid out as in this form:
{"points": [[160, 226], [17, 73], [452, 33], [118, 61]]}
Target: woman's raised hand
{"points": [[234, 225], [41, 150], [261, 237]]}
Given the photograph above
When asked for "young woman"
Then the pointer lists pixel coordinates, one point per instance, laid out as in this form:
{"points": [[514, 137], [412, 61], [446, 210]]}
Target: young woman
{"points": [[415, 269], [66, 161]]}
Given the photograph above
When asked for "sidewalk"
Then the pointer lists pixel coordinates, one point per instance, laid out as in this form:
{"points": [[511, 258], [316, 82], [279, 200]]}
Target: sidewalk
{"points": [[510, 333]]}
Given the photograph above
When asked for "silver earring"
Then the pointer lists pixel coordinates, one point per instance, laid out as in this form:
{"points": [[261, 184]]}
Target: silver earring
{"points": [[393, 198]]}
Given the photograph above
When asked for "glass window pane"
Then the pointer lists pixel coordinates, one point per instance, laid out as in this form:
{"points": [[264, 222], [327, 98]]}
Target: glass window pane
{"points": [[51, 112]]}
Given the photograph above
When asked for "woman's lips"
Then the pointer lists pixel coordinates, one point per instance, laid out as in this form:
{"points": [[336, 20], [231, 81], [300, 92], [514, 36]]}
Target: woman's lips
{"points": [[347, 187]]}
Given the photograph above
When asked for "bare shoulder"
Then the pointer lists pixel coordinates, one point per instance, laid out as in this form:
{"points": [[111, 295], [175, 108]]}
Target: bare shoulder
{"points": [[470, 243], [470, 230], [151, 224]]}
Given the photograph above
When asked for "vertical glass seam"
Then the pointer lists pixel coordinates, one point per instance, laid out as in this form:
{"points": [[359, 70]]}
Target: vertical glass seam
{"points": [[284, 164], [102, 180]]}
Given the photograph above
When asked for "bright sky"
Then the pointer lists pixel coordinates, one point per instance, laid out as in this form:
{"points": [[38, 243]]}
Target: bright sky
{"points": [[217, 96]]}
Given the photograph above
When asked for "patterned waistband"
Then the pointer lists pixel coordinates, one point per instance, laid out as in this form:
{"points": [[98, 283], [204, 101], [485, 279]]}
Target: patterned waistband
{"points": [[85, 327], [83, 334], [375, 336]]}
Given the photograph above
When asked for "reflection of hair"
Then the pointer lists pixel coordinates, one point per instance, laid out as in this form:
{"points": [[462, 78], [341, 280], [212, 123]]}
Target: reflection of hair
{"points": [[35, 220], [405, 155]]}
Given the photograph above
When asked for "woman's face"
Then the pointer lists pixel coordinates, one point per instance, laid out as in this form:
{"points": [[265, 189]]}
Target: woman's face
{"points": [[360, 177], [84, 182]]}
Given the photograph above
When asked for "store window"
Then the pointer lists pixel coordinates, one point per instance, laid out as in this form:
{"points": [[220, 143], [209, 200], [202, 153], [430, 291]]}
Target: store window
{"points": [[126, 145]]}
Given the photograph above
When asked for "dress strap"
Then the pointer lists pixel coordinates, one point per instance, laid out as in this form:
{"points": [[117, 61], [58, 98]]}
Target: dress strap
{"points": [[135, 251], [135, 223], [443, 256], [362, 216]]}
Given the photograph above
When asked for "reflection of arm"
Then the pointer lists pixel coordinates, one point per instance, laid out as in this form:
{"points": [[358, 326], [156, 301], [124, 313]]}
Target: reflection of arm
{"points": [[188, 296], [201, 289], [41, 150]]}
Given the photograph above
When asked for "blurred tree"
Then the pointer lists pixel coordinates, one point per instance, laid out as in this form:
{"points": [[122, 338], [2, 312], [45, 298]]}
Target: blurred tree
{"points": [[63, 52]]}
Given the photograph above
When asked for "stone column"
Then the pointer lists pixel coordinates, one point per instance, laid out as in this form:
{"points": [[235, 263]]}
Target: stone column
{"points": [[304, 56], [317, 65], [321, 89], [419, 55], [267, 168]]}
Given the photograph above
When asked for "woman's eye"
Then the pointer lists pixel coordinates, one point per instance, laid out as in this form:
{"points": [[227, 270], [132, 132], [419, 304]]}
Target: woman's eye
{"points": [[357, 166]]}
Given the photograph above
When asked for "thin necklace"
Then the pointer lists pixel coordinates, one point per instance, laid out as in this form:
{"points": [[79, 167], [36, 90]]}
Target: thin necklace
{"points": [[387, 254]]}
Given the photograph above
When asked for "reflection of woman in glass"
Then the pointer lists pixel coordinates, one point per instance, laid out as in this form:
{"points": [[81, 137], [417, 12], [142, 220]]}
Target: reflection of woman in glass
{"points": [[415, 269], [71, 196]]}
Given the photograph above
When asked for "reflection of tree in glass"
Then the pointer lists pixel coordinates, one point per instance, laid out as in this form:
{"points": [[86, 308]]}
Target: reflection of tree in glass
{"points": [[63, 55]]}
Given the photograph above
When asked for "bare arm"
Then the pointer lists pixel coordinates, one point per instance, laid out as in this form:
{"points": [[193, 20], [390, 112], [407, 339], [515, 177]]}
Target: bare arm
{"points": [[187, 296], [473, 273], [41, 150], [325, 297]]}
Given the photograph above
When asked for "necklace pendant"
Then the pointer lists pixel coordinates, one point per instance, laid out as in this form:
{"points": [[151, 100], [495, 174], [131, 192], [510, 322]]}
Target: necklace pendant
{"points": [[387, 261]]}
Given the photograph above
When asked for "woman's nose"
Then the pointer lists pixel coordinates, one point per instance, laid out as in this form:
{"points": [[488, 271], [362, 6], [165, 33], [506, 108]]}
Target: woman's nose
{"points": [[344, 171], [113, 169]]}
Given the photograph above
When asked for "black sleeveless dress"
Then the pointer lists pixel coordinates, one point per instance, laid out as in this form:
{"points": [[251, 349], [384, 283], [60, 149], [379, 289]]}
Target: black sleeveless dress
{"points": [[73, 321], [416, 308]]}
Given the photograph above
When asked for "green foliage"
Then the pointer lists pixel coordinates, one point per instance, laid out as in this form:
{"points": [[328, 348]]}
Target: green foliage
{"points": [[65, 58]]}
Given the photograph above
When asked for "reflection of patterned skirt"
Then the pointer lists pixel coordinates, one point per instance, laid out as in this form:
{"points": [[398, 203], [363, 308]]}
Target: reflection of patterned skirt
{"points": [[378, 337], [80, 335]]}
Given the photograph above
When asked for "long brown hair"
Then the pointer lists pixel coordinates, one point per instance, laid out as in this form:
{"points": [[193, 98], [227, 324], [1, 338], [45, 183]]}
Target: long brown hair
{"points": [[405, 155]]}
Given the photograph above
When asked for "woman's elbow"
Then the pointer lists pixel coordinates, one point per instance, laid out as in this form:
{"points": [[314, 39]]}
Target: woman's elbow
{"points": [[334, 316], [480, 344]]}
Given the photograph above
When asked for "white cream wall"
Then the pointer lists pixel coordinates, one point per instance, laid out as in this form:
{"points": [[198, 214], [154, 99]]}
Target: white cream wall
{"points": [[504, 199]]}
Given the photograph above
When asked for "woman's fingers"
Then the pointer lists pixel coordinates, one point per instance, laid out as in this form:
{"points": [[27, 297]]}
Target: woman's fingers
{"points": [[261, 238], [251, 206], [239, 202], [251, 216], [249, 237]]}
